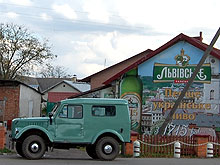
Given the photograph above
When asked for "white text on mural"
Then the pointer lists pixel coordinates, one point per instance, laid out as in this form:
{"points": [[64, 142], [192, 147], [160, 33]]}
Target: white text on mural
{"points": [[180, 73]]}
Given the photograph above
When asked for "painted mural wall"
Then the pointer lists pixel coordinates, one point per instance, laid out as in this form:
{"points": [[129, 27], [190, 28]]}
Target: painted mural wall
{"points": [[164, 77]]}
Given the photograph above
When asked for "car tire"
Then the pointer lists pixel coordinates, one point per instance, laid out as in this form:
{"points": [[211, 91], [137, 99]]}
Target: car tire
{"points": [[18, 147], [90, 149], [107, 148], [33, 147]]}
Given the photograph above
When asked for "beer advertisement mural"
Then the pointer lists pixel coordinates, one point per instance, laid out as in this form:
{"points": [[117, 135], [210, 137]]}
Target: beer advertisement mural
{"points": [[163, 77], [131, 89]]}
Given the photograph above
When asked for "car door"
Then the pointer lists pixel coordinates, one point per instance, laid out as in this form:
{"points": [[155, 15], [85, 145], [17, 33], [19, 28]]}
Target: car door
{"points": [[69, 123]]}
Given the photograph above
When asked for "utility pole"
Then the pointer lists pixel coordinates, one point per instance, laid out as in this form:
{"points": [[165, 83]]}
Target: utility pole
{"points": [[201, 62]]}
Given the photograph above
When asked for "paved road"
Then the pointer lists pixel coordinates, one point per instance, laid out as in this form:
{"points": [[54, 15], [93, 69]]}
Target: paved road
{"points": [[77, 157]]}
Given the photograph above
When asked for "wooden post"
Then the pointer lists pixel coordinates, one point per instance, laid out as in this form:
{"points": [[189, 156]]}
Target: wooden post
{"points": [[129, 146]]}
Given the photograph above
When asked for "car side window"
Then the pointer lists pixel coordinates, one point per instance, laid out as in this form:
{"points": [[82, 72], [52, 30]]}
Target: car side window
{"points": [[75, 112], [103, 111], [72, 112], [63, 112]]}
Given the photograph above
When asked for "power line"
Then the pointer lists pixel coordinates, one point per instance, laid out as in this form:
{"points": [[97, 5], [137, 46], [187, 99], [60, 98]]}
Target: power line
{"points": [[55, 19], [37, 7], [50, 9]]}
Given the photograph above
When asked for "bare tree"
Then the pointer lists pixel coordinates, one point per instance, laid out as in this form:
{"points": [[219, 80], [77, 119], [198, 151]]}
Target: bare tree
{"points": [[50, 71], [20, 50]]}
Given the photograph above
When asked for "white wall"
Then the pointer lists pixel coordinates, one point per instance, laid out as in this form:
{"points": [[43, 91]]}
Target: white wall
{"points": [[214, 64], [29, 99], [107, 93], [214, 85], [62, 87]]}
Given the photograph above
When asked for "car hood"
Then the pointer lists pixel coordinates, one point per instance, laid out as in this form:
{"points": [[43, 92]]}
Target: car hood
{"points": [[23, 122]]}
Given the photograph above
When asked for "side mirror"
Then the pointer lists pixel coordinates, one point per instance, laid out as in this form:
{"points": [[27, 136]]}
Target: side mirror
{"points": [[50, 116]]}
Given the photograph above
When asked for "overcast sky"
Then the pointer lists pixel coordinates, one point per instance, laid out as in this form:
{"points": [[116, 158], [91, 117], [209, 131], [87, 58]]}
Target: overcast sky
{"points": [[90, 35]]}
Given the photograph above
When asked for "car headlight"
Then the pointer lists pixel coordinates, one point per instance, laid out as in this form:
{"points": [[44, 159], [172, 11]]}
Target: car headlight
{"points": [[16, 130]]}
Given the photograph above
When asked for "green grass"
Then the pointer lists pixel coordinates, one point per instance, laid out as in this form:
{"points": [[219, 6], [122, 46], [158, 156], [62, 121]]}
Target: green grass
{"points": [[5, 150]]}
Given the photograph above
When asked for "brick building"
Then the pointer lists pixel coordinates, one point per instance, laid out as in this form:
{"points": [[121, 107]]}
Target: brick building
{"points": [[18, 100], [9, 101]]}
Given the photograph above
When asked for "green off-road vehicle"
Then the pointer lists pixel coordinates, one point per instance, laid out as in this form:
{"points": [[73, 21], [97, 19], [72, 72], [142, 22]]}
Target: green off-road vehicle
{"points": [[100, 125]]}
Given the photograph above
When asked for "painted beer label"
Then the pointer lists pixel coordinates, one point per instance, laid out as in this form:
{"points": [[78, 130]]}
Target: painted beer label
{"points": [[181, 71], [134, 103], [175, 73]]}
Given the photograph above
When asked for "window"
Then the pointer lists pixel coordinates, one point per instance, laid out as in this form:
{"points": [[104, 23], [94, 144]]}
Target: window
{"points": [[212, 95], [72, 112], [63, 113], [103, 111]]}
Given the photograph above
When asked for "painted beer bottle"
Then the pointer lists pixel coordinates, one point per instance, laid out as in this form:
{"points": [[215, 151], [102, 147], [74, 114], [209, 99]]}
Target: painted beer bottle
{"points": [[131, 89]]}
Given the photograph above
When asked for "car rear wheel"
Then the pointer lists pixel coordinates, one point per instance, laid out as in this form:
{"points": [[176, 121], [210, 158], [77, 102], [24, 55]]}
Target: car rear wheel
{"points": [[107, 148], [33, 147]]}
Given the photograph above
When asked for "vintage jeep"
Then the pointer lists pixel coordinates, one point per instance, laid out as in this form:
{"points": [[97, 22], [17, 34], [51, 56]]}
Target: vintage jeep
{"points": [[100, 125]]}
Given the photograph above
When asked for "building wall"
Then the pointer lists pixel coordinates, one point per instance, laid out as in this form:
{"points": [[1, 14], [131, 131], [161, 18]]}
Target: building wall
{"points": [[29, 103], [200, 105], [107, 93], [11, 96], [214, 64], [102, 93], [63, 87], [211, 95]]}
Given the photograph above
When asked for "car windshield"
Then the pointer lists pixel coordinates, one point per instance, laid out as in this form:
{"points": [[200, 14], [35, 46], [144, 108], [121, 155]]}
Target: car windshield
{"points": [[55, 107]]}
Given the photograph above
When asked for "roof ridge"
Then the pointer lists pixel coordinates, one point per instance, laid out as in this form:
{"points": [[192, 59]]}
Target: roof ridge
{"points": [[146, 51]]}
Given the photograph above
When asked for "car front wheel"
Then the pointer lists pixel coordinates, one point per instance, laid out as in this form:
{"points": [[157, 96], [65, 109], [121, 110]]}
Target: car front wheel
{"points": [[33, 147], [19, 149]]}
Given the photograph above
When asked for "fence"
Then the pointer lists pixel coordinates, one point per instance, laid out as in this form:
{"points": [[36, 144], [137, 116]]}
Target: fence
{"points": [[164, 145], [216, 146]]}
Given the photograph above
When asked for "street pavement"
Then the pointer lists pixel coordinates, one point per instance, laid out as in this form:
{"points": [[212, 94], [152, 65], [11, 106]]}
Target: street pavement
{"points": [[79, 157]]}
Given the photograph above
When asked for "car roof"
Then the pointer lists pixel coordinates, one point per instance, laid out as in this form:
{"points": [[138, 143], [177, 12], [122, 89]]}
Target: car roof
{"points": [[95, 101]]}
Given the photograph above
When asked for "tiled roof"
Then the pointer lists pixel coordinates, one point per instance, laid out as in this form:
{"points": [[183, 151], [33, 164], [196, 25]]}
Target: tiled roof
{"points": [[81, 86], [126, 62], [16, 83], [46, 83]]}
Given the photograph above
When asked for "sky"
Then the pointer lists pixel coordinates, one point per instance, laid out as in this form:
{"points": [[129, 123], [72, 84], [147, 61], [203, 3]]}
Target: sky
{"points": [[90, 35]]}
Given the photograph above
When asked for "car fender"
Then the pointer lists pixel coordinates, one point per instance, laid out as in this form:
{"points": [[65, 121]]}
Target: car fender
{"points": [[107, 131], [23, 130]]}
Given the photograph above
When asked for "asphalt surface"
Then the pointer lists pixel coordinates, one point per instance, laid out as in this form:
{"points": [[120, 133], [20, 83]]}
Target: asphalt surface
{"points": [[79, 157]]}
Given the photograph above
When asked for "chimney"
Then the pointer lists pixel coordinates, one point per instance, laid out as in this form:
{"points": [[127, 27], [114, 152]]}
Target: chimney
{"points": [[199, 37], [74, 78]]}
